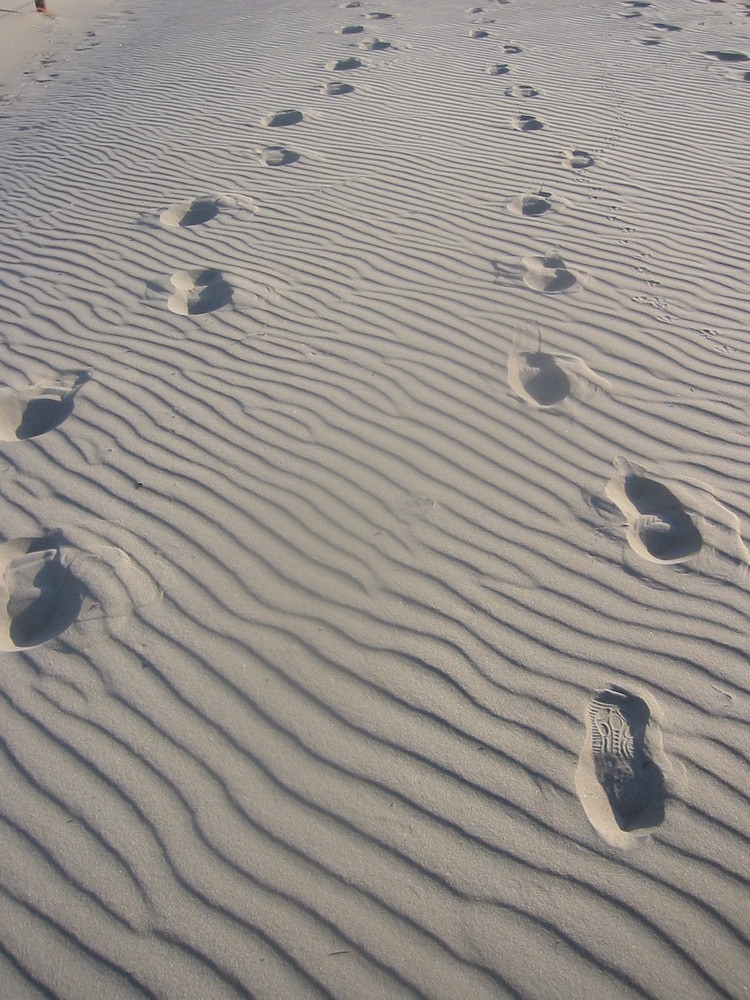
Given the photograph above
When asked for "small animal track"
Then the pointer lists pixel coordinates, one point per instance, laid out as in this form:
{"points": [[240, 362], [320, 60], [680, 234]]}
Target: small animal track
{"points": [[335, 88], [197, 291], [548, 274], [619, 779], [277, 156], [39, 596], [521, 90], [281, 119], [578, 159], [531, 204], [526, 123], [37, 409], [340, 65], [659, 528]]}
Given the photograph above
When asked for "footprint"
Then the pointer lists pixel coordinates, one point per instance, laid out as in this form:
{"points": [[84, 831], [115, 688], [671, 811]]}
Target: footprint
{"points": [[277, 156], [577, 159], [498, 69], [339, 65], [478, 33], [373, 45], [197, 291], [658, 526], [39, 596], [280, 119], [526, 123], [335, 88], [351, 29], [511, 49], [531, 204], [27, 413], [545, 380], [620, 772], [378, 15], [198, 211], [521, 90], [661, 26], [548, 274], [730, 57]]}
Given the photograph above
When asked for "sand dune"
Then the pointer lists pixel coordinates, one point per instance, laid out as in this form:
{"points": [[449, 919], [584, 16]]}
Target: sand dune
{"points": [[374, 416]]}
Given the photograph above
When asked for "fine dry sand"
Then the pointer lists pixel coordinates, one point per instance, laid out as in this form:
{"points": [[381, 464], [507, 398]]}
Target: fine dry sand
{"points": [[374, 425]]}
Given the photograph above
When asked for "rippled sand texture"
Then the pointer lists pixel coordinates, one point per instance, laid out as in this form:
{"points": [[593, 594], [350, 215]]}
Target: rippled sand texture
{"points": [[373, 569]]}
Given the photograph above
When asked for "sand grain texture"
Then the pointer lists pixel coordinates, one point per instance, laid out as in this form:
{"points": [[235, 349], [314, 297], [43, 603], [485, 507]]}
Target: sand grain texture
{"points": [[373, 569]]}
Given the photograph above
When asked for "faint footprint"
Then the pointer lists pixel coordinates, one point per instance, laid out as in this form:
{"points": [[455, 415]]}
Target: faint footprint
{"points": [[27, 413], [577, 159], [620, 772], [339, 65], [373, 45], [478, 33], [526, 123], [199, 290], [334, 88], [39, 597], [658, 526], [351, 29], [378, 15], [548, 274], [661, 26], [280, 119], [277, 156]]}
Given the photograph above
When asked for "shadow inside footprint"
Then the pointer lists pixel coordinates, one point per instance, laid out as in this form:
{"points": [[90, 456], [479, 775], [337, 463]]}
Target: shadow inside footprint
{"points": [[191, 213], [548, 274], [28, 413], [277, 156], [663, 525], [632, 784], [732, 57], [542, 378], [199, 291], [498, 69], [527, 123], [39, 596], [340, 65], [280, 119], [335, 88], [535, 204], [579, 159]]}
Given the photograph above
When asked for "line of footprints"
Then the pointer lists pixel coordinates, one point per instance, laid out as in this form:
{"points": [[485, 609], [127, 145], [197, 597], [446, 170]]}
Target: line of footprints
{"points": [[621, 773]]}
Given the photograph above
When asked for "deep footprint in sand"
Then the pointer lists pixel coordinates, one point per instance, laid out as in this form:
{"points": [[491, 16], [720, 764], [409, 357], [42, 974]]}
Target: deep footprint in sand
{"points": [[277, 156], [728, 57], [340, 65], [39, 596], [199, 211], [659, 528], [281, 119], [198, 291], [546, 380], [578, 159], [36, 409], [620, 774], [531, 205], [511, 49], [526, 123], [498, 69], [335, 88], [548, 274]]}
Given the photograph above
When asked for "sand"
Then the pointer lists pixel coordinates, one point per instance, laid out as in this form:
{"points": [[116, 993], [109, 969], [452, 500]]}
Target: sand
{"points": [[374, 424]]}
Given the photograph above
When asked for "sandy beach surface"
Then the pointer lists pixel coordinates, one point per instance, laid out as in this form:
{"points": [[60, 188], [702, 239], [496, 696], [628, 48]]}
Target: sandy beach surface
{"points": [[374, 425]]}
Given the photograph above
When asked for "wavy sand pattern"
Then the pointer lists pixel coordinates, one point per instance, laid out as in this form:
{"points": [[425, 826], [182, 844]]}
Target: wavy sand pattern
{"points": [[374, 619]]}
